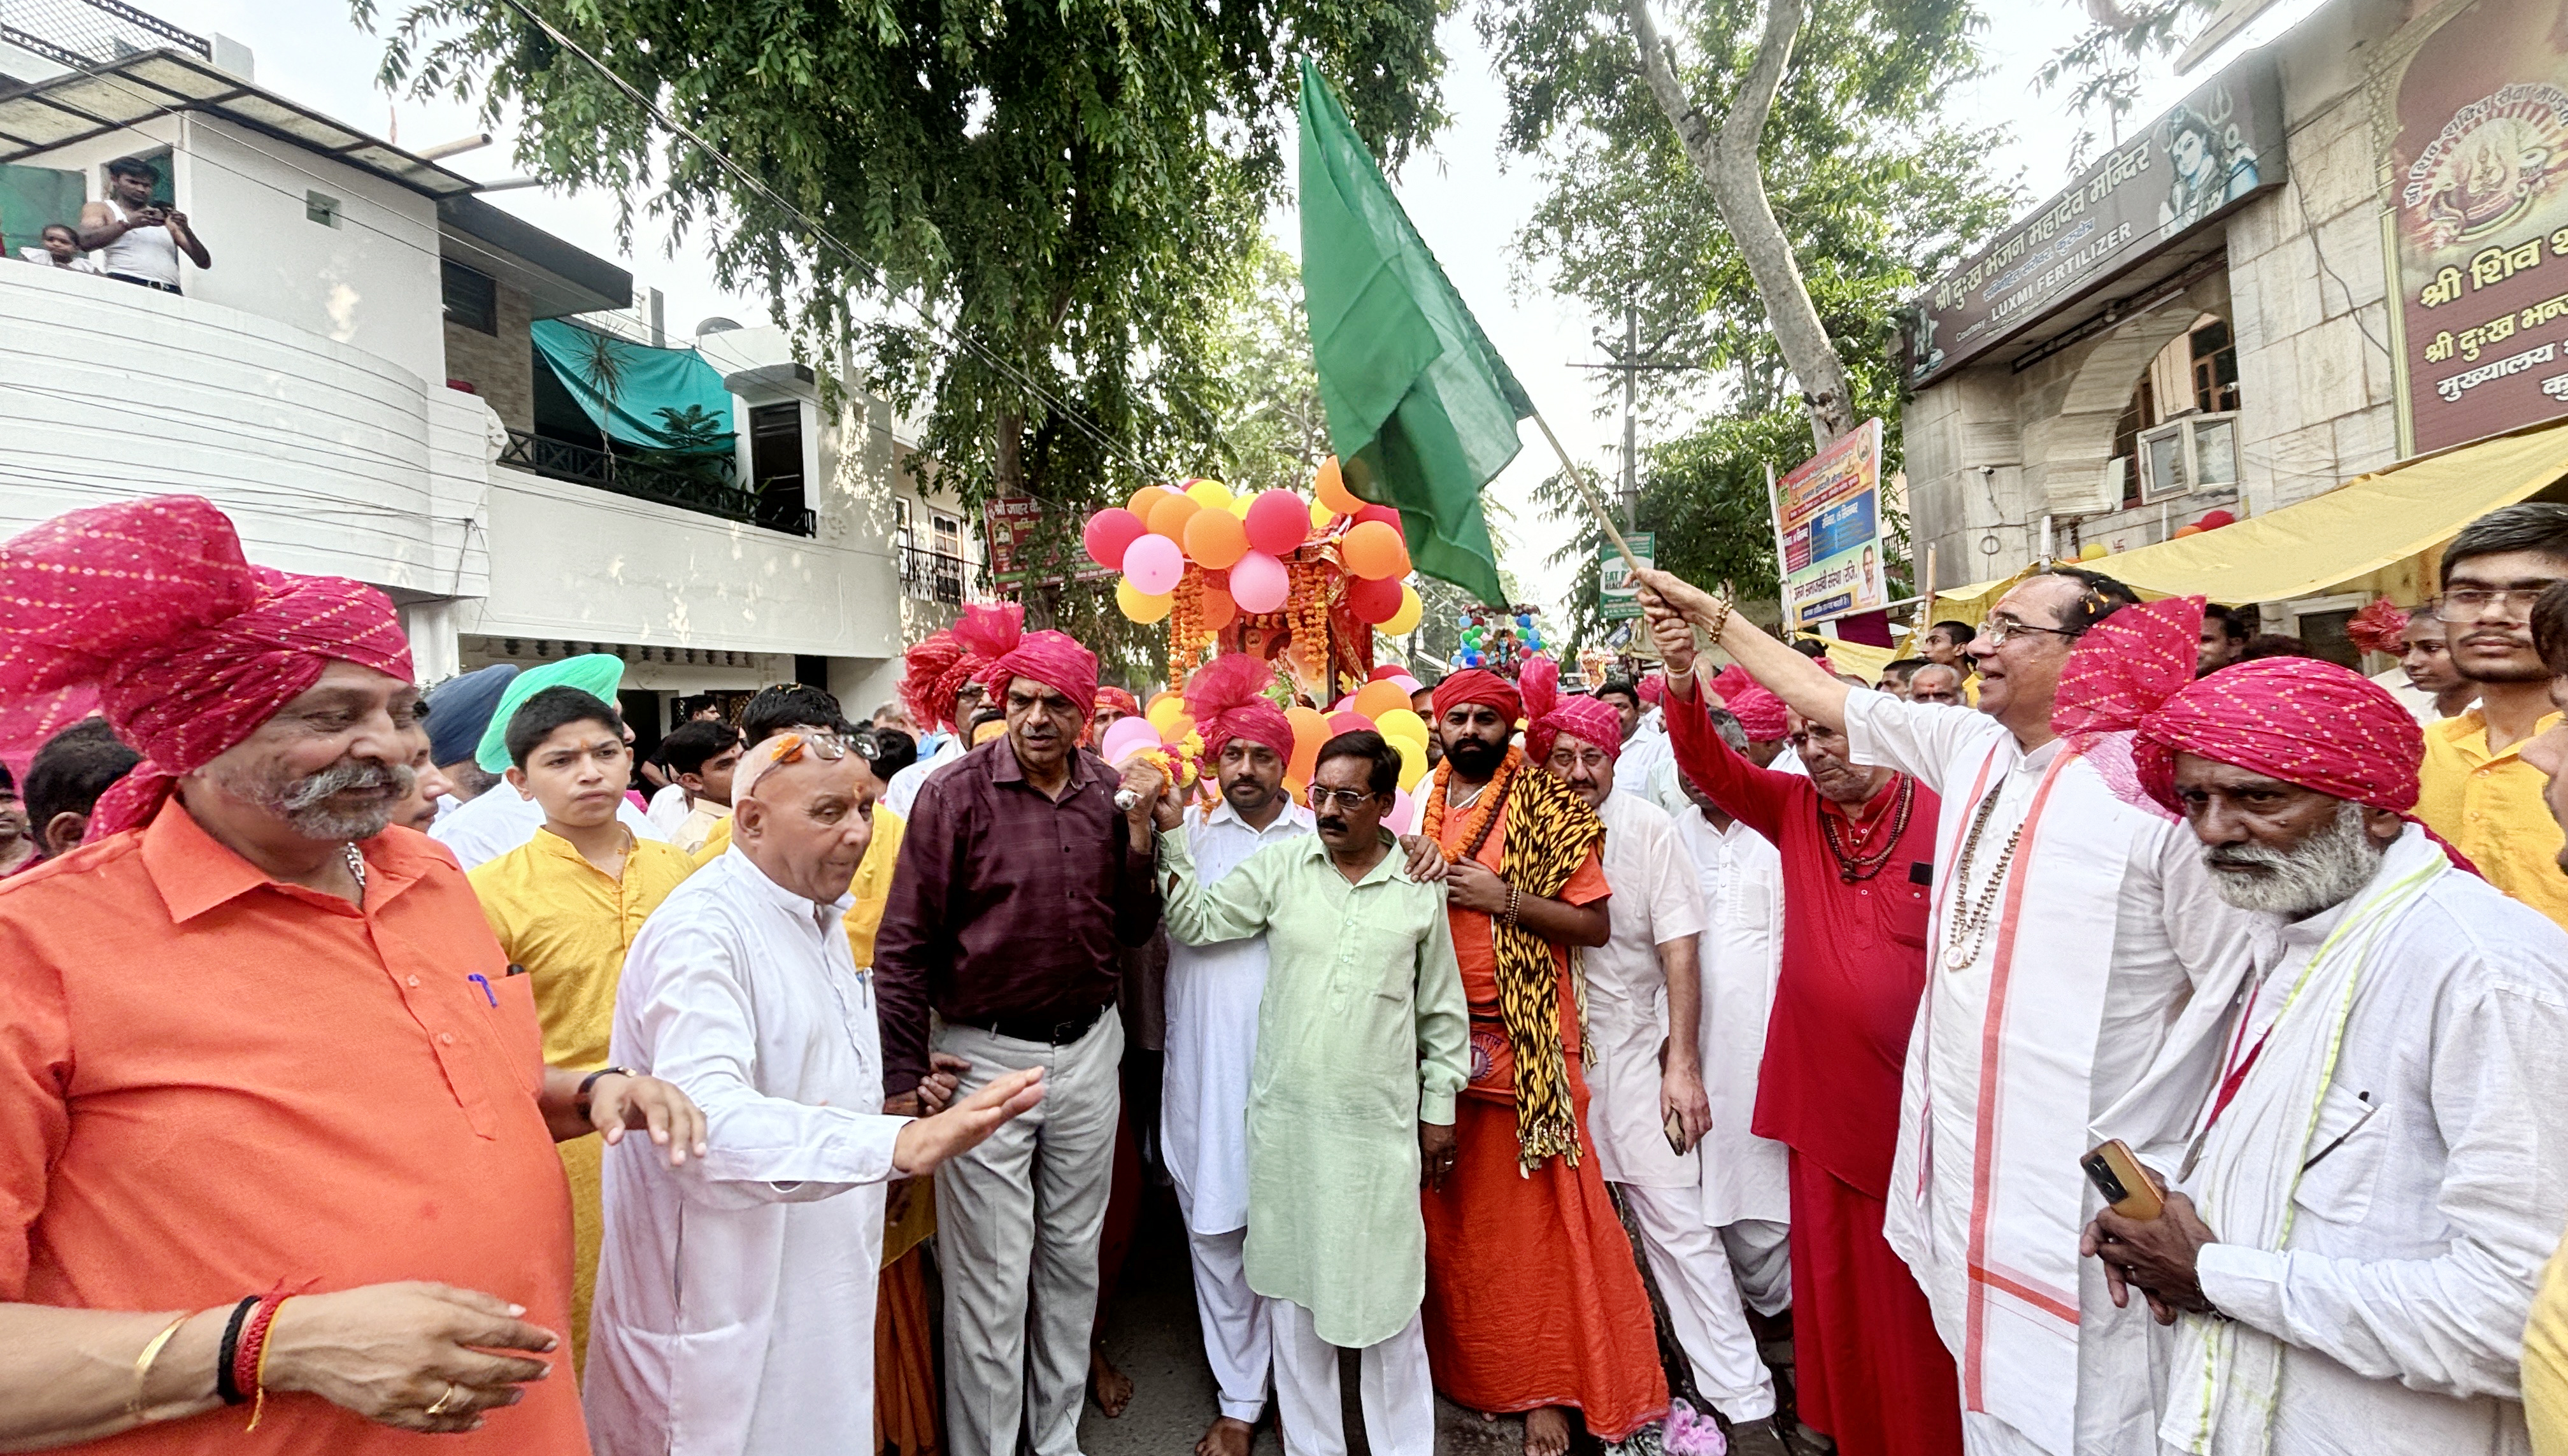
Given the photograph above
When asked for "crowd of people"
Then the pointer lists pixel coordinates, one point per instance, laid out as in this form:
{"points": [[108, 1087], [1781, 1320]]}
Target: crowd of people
{"points": [[2099, 1037]]}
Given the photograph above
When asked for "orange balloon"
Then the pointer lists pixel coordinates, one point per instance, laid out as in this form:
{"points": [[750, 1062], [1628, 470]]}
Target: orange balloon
{"points": [[1215, 539], [1170, 512], [1330, 486], [2182, 532], [1215, 609], [1310, 730], [1379, 697], [1371, 551], [1146, 498]]}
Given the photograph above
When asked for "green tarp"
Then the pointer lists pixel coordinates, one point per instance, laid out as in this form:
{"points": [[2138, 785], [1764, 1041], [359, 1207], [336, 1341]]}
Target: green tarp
{"points": [[626, 387], [1421, 409]]}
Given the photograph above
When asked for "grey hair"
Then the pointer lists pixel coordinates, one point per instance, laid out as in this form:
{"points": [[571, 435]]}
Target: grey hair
{"points": [[1732, 731]]}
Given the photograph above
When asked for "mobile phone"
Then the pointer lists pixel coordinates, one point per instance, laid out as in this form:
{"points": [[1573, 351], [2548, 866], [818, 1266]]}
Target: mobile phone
{"points": [[2119, 1177], [1676, 1132]]}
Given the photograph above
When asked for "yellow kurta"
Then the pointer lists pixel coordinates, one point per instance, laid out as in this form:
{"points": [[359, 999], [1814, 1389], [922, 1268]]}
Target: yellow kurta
{"points": [[2489, 806], [569, 925]]}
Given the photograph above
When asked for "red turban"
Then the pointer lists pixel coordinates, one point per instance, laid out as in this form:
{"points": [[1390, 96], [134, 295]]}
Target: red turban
{"points": [[1116, 698], [1654, 688], [998, 636], [1479, 685], [188, 648], [1757, 710], [2378, 627], [1228, 700], [1548, 714]]}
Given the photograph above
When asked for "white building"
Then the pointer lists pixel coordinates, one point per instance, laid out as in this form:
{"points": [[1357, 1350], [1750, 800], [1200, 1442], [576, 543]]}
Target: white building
{"points": [[354, 382]]}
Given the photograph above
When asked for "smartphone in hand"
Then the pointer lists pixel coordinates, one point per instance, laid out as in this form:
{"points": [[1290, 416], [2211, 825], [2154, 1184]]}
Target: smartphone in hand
{"points": [[2125, 1186]]}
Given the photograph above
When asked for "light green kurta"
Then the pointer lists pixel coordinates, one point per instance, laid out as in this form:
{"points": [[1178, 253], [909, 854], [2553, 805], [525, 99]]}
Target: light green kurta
{"points": [[1361, 1035]]}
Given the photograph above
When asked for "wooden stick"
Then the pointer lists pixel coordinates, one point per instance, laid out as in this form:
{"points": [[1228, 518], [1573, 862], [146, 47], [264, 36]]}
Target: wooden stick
{"points": [[1595, 502]]}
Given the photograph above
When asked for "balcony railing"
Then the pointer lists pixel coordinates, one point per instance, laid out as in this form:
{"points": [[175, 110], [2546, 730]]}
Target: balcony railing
{"points": [[559, 460], [84, 33], [931, 575]]}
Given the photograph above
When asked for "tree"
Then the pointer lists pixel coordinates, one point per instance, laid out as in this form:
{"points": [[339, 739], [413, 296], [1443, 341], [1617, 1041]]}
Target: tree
{"points": [[1022, 219], [1277, 433]]}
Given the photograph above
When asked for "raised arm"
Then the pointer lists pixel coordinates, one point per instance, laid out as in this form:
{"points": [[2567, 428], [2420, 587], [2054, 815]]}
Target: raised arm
{"points": [[1806, 687], [1232, 909], [1758, 798]]}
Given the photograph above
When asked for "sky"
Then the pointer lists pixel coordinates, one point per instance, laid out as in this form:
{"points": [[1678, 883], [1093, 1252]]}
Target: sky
{"points": [[1466, 194]]}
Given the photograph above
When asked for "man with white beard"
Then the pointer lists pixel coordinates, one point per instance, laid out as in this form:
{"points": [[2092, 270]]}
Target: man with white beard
{"points": [[2379, 1169]]}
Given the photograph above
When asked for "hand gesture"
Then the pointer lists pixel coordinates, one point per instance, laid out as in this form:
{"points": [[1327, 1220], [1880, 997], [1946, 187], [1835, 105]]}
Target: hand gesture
{"points": [[1436, 1149], [959, 1129], [934, 1092], [647, 1104], [1673, 593], [395, 1353], [1681, 1093], [1476, 887], [1675, 637], [1426, 861]]}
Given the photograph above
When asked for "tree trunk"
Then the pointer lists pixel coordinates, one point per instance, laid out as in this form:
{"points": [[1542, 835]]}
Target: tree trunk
{"points": [[1728, 162]]}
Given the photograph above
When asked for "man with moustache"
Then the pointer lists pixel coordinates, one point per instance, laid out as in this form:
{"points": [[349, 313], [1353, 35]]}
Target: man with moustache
{"points": [[2375, 1174], [1857, 848], [2475, 790], [1360, 1044], [2044, 857]]}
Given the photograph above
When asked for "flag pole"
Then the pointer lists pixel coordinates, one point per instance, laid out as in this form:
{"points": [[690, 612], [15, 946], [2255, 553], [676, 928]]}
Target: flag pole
{"points": [[1595, 502]]}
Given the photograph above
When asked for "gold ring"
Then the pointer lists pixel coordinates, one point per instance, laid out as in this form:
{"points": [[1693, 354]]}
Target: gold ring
{"points": [[439, 1407]]}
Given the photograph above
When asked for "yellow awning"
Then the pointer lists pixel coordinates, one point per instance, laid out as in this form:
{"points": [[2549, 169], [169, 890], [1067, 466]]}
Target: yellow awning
{"points": [[2366, 526]]}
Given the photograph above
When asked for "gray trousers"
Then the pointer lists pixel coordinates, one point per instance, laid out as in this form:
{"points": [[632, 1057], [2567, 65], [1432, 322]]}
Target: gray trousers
{"points": [[1016, 1224]]}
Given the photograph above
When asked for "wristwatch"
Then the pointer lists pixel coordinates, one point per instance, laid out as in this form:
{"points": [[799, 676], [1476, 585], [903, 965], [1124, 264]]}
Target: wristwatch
{"points": [[579, 1101]]}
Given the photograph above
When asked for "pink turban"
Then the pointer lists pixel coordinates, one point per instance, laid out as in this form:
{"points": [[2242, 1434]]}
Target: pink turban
{"points": [[1654, 688], [187, 648], [934, 672], [998, 636], [1548, 714], [1479, 685], [1226, 700], [1757, 710]]}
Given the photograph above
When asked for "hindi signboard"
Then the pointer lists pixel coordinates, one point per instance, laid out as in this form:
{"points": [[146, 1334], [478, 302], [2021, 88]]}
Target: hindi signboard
{"points": [[1010, 520], [2479, 178], [1618, 596], [1828, 530], [2222, 144]]}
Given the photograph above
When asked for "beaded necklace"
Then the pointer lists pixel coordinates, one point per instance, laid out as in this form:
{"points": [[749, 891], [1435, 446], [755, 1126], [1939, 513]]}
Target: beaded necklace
{"points": [[1855, 866], [1970, 918]]}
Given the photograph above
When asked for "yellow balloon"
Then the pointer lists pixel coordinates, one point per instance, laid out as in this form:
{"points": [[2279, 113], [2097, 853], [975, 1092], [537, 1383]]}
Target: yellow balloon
{"points": [[2093, 550], [1211, 495], [1141, 607], [1401, 723], [1321, 516], [1413, 762], [1239, 506], [1169, 715], [1411, 610]]}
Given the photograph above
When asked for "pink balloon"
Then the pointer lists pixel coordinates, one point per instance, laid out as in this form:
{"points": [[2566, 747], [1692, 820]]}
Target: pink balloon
{"points": [[1278, 521], [1407, 684], [1109, 533], [1154, 565], [1404, 813], [1128, 736], [1258, 583], [1348, 722]]}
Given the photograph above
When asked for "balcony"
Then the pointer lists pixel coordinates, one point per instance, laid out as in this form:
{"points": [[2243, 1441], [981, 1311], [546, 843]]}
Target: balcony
{"points": [[930, 575], [710, 495]]}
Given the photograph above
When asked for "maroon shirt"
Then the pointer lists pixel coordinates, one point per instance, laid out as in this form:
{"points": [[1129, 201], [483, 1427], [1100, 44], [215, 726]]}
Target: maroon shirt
{"points": [[1006, 904], [1854, 956]]}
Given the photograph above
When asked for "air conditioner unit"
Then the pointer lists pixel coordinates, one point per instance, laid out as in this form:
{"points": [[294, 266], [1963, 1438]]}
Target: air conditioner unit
{"points": [[2182, 456]]}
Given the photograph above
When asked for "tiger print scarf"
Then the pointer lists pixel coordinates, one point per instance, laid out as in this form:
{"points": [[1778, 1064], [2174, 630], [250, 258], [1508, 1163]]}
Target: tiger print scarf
{"points": [[1549, 830]]}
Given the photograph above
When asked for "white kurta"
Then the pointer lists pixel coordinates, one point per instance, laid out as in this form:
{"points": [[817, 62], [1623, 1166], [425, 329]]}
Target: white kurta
{"points": [[502, 820], [1742, 875], [1656, 900], [902, 791], [1642, 753], [2107, 927], [735, 1311], [1213, 993], [2399, 1293]]}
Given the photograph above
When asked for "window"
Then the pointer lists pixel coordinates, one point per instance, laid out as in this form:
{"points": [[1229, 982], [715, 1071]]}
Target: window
{"points": [[321, 207], [472, 299], [776, 467], [2215, 367]]}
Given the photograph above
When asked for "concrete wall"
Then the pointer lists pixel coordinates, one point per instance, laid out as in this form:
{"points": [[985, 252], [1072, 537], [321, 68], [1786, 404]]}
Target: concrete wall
{"points": [[500, 367], [1990, 450], [331, 458]]}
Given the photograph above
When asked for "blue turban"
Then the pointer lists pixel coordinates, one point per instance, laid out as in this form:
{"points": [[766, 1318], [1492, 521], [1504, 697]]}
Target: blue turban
{"points": [[459, 708]]}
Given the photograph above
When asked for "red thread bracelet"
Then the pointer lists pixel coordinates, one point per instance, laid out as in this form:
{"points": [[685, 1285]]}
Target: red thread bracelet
{"points": [[251, 1355]]}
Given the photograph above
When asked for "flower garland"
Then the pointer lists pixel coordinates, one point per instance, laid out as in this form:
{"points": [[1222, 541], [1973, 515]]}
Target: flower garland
{"points": [[1476, 824]]}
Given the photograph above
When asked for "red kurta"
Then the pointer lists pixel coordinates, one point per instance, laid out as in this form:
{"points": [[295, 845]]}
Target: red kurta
{"points": [[1873, 1373], [1533, 1297]]}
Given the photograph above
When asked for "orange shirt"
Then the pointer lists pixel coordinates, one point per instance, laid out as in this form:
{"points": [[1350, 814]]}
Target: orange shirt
{"points": [[211, 1082], [1477, 953]]}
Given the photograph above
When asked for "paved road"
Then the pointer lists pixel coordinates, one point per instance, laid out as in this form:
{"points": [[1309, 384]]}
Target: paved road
{"points": [[1152, 1336]]}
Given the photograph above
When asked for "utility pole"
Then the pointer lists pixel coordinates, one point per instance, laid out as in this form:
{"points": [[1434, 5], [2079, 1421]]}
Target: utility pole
{"points": [[1632, 361]]}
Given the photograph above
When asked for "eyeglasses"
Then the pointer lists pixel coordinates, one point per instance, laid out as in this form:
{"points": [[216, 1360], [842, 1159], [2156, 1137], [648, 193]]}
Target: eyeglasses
{"points": [[1999, 628], [1339, 798], [828, 747], [2470, 603]]}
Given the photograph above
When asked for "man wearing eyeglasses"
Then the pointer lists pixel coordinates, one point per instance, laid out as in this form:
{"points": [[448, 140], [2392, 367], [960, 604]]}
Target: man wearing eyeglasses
{"points": [[2069, 924], [2476, 791]]}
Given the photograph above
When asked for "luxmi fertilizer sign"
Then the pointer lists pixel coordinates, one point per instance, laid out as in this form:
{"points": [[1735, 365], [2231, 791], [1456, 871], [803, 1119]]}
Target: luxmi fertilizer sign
{"points": [[1828, 529], [1618, 596]]}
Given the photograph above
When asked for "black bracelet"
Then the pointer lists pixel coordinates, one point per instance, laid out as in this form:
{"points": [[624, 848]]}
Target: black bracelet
{"points": [[223, 1386], [580, 1101]]}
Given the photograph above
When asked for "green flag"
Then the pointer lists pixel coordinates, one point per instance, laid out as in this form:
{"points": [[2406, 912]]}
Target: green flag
{"points": [[1422, 411]]}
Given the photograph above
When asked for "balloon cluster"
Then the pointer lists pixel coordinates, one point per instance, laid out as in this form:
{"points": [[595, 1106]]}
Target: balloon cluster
{"points": [[1164, 735], [1235, 549], [1382, 706], [1497, 638], [2096, 550]]}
